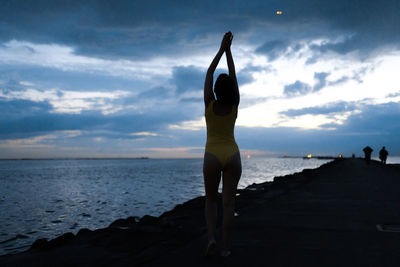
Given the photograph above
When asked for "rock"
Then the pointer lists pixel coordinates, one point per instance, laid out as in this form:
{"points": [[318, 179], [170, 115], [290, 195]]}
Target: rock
{"points": [[84, 231], [124, 223], [61, 240], [148, 220], [40, 244], [132, 219]]}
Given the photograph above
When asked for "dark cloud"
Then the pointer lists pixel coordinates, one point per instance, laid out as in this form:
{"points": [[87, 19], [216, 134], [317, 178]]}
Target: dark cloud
{"points": [[394, 94], [297, 88], [125, 29], [245, 75], [159, 92], [191, 78], [293, 141], [357, 76], [29, 118], [246, 101], [335, 107], [143, 29], [381, 118], [11, 77], [188, 78], [300, 88], [375, 126], [144, 110], [23, 118], [340, 80], [320, 77], [21, 108], [272, 49], [192, 100], [285, 48], [133, 29], [11, 85], [361, 43]]}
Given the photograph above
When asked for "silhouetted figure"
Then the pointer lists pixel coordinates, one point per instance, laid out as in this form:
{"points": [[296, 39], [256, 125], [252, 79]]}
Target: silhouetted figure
{"points": [[221, 153], [383, 155], [367, 151]]}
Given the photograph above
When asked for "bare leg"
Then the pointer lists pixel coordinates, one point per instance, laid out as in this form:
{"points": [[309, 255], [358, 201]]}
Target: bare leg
{"points": [[212, 178], [231, 176]]}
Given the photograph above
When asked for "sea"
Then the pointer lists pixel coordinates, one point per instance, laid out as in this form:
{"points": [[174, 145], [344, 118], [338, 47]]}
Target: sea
{"points": [[47, 198]]}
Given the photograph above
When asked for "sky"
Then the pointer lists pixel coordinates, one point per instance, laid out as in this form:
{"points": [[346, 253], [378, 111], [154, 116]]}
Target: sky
{"points": [[125, 78]]}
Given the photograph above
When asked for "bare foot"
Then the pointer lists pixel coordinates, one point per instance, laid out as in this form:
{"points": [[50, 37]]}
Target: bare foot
{"points": [[211, 249], [225, 253]]}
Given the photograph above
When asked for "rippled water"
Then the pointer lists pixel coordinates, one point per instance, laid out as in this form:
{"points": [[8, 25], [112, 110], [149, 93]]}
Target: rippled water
{"points": [[46, 198]]}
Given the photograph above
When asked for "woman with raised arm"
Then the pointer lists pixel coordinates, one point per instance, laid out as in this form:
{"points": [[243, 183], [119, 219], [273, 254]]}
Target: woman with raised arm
{"points": [[222, 153]]}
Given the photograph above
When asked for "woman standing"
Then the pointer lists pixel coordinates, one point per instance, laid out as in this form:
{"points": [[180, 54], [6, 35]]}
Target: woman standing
{"points": [[222, 153]]}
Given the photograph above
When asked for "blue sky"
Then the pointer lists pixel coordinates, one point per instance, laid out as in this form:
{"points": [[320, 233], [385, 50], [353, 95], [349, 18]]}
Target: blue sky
{"points": [[125, 78]]}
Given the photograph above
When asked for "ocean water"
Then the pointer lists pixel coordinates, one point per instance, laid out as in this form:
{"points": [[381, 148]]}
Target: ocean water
{"points": [[46, 198]]}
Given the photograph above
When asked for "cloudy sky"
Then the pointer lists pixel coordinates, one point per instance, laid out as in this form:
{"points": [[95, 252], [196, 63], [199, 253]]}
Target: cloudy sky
{"points": [[125, 78]]}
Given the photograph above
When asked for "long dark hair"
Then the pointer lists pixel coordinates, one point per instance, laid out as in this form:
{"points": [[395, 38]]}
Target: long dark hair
{"points": [[223, 89]]}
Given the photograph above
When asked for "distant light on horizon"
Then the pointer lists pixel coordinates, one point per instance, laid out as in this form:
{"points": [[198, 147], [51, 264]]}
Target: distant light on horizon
{"points": [[279, 12]]}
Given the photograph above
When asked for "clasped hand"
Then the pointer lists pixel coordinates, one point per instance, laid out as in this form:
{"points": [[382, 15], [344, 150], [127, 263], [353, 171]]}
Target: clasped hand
{"points": [[226, 41]]}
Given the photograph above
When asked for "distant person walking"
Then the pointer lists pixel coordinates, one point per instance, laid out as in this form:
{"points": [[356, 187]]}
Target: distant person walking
{"points": [[367, 152], [221, 153], [383, 155]]}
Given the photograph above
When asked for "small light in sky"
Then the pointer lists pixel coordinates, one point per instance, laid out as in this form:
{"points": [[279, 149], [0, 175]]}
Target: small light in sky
{"points": [[309, 156], [279, 12], [248, 156]]}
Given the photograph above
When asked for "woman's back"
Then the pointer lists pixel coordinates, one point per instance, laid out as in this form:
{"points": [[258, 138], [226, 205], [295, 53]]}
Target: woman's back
{"points": [[220, 128]]}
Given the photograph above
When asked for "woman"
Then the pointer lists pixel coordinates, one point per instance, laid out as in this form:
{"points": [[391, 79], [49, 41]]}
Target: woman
{"points": [[221, 153]]}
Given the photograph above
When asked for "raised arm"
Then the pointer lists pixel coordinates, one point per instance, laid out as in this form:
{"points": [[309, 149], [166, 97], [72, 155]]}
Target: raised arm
{"points": [[232, 71], [208, 83]]}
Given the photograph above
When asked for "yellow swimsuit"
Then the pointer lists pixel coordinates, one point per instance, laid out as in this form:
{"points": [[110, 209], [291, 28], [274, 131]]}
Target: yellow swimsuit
{"points": [[220, 138]]}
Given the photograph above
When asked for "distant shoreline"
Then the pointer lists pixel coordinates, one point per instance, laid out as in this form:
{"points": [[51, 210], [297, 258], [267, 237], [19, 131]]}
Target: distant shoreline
{"points": [[144, 157], [74, 158], [313, 157]]}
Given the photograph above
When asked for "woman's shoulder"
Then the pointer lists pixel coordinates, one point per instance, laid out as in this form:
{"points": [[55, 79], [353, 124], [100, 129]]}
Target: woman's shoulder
{"points": [[209, 105], [235, 107]]}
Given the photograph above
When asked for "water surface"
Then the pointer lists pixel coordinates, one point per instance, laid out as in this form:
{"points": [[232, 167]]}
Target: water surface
{"points": [[46, 198]]}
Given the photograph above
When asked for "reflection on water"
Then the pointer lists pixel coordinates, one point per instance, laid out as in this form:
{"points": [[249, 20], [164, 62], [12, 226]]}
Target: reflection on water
{"points": [[258, 170], [46, 198]]}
